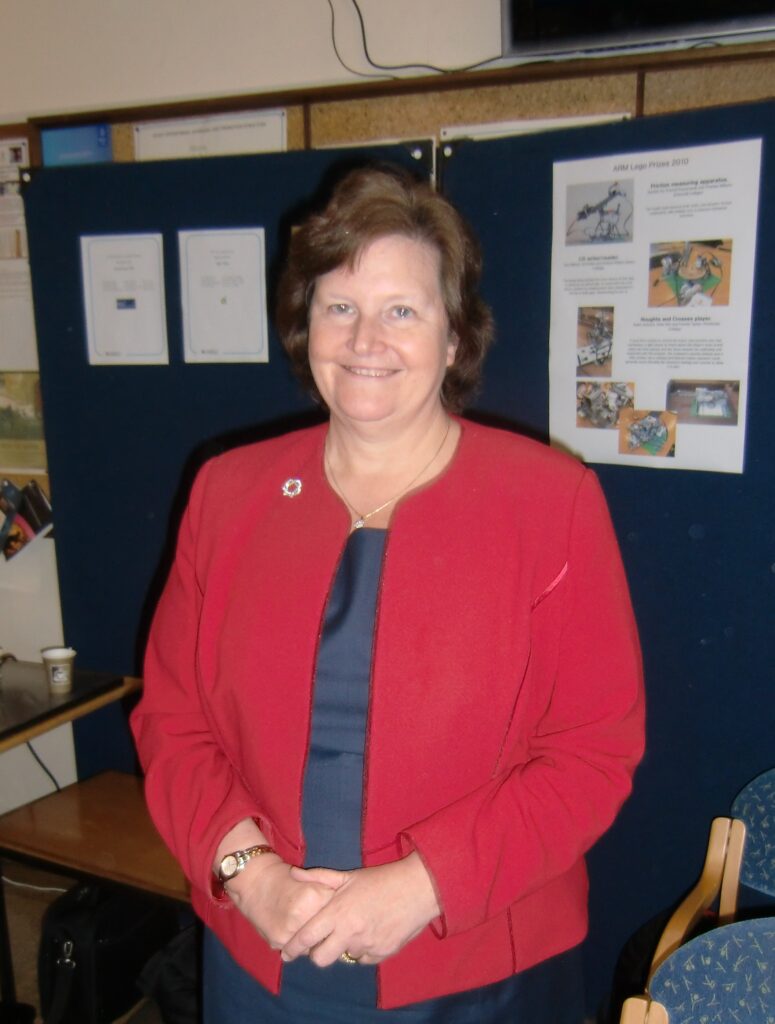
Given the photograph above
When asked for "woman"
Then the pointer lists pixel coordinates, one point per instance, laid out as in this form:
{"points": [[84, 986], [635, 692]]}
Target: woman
{"points": [[375, 728]]}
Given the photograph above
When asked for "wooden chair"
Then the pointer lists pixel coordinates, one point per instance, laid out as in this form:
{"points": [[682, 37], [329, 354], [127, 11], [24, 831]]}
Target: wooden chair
{"points": [[755, 806], [717, 882], [725, 976], [741, 850]]}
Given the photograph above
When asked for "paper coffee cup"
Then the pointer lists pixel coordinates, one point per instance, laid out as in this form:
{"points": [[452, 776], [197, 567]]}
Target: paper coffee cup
{"points": [[58, 662]]}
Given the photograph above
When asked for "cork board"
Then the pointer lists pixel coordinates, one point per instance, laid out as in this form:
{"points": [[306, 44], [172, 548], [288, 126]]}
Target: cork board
{"points": [[689, 81], [709, 86], [424, 114], [295, 127], [123, 143]]}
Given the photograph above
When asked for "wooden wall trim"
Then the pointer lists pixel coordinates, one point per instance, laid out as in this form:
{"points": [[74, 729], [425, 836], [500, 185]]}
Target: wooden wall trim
{"points": [[640, 93]]}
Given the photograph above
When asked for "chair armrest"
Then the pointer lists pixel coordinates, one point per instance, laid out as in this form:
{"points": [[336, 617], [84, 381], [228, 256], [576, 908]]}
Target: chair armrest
{"points": [[634, 1010], [730, 883], [700, 898]]}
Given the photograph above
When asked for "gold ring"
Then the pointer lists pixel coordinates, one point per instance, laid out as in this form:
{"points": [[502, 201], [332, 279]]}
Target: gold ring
{"points": [[348, 959]]}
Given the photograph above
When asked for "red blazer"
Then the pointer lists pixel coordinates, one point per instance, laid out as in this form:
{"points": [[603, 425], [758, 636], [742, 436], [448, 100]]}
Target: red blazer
{"points": [[506, 708]]}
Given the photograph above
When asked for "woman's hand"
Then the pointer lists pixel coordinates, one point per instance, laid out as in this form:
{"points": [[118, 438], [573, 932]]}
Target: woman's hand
{"points": [[372, 914], [275, 902]]}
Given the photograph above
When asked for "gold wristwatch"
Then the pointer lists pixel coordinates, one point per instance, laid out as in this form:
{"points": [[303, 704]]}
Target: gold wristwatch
{"points": [[233, 863]]}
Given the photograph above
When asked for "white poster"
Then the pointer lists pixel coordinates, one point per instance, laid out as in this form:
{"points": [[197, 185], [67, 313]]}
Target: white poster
{"points": [[223, 291], [263, 131], [653, 259], [123, 291], [17, 323]]}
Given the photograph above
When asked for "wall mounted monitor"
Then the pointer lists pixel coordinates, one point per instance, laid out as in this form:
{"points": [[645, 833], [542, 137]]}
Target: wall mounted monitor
{"points": [[532, 28]]}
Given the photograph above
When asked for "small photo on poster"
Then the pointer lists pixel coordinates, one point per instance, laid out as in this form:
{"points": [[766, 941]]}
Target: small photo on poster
{"points": [[594, 341], [690, 273], [599, 212], [704, 403], [599, 404], [647, 432]]}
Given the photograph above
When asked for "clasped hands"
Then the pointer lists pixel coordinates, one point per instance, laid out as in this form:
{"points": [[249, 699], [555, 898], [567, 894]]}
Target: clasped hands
{"points": [[370, 913]]}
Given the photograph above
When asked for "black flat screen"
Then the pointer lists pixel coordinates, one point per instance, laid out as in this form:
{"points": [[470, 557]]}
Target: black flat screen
{"points": [[561, 25]]}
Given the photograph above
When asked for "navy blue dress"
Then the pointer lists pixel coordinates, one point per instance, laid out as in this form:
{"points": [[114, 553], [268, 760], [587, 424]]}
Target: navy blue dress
{"points": [[331, 820]]}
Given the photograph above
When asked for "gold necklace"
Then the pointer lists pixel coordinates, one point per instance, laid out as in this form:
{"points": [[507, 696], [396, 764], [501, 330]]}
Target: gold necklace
{"points": [[361, 520]]}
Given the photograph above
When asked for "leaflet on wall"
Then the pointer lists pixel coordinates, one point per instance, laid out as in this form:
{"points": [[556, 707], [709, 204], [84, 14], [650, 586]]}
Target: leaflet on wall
{"points": [[17, 324], [77, 144], [653, 260], [261, 131], [123, 290], [223, 290]]}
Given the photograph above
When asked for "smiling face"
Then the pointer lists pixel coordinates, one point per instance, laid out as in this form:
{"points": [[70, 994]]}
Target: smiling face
{"points": [[379, 339]]}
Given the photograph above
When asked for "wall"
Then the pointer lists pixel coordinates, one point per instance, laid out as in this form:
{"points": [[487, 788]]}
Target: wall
{"points": [[88, 54]]}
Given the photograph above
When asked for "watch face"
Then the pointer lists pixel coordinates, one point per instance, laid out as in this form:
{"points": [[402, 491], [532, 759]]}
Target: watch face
{"points": [[229, 866]]}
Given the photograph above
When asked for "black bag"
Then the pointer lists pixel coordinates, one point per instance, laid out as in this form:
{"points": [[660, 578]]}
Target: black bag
{"points": [[95, 940], [172, 977]]}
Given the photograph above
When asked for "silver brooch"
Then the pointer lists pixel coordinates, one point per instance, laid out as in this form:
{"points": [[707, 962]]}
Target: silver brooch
{"points": [[292, 487]]}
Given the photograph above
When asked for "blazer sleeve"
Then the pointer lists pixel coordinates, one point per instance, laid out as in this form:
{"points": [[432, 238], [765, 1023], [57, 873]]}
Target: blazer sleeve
{"points": [[535, 818], [193, 792]]}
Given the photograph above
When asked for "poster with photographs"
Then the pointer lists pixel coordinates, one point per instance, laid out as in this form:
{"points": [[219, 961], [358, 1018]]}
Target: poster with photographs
{"points": [[652, 280]]}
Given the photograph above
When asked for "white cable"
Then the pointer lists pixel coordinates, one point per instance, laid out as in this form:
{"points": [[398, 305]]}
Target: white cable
{"points": [[29, 885]]}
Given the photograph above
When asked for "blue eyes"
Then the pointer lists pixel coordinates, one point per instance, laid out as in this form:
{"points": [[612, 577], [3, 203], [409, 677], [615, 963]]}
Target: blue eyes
{"points": [[344, 309]]}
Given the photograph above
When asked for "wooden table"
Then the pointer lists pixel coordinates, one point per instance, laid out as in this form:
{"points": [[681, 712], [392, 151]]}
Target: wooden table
{"points": [[28, 708], [99, 828]]}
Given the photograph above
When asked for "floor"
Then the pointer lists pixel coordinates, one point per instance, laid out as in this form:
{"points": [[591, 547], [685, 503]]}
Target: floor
{"points": [[28, 891]]}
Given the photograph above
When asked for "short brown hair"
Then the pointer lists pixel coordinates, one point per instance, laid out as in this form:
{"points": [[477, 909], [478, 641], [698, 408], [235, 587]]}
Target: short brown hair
{"points": [[367, 204]]}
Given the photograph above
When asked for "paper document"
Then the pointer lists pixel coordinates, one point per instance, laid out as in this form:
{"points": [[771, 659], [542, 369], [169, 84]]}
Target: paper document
{"points": [[262, 131], [223, 290], [653, 259], [123, 291]]}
